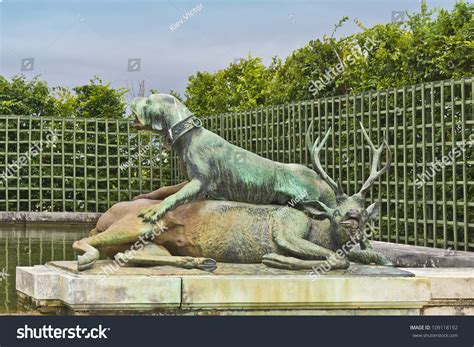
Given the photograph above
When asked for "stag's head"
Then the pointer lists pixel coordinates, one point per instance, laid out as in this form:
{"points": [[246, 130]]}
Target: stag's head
{"points": [[350, 217]]}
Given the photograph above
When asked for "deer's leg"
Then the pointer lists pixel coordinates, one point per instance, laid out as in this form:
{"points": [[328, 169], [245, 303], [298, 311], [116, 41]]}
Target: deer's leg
{"points": [[365, 244], [90, 256], [161, 193], [368, 257], [129, 229], [155, 255], [290, 263], [189, 192], [305, 249]]}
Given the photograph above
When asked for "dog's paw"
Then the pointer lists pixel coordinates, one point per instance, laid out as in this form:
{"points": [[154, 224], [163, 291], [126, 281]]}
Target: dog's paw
{"points": [[150, 215]]}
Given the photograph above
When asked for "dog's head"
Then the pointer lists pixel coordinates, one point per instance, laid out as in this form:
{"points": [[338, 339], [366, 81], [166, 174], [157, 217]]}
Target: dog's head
{"points": [[158, 112]]}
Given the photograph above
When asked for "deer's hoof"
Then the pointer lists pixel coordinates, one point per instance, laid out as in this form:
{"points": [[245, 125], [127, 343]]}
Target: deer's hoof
{"points": [[385, 262], [207, 264], [87, 260]]}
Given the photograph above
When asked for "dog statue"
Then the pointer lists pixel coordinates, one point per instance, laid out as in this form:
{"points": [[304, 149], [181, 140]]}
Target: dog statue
{"points": [[211, 165], [199, 233]]}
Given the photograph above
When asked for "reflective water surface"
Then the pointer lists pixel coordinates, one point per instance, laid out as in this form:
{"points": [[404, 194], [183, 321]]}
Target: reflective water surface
{"points": [[31, 245]]}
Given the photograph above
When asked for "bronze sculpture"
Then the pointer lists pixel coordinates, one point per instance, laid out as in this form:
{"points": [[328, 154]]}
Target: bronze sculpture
{"points": [[196, 234]]}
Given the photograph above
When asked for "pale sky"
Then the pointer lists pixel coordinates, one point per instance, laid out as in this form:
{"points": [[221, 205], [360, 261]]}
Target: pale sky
{"points": [[71, 40]]}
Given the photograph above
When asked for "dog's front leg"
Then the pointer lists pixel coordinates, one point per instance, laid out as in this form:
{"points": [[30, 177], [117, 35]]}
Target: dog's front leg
{"points": [[191, 191]]}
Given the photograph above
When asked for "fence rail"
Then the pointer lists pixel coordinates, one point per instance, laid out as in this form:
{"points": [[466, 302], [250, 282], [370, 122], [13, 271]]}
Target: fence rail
{"points": [[427, 197]]}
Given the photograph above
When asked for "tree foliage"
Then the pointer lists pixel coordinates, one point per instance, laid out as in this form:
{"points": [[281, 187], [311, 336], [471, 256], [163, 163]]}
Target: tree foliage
{"points": [[34, 97], [428, 46]]}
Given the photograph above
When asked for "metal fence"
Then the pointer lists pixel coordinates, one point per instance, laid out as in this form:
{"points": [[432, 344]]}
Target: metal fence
{"points": [[93, 163], [71, 164], [427, 125]]}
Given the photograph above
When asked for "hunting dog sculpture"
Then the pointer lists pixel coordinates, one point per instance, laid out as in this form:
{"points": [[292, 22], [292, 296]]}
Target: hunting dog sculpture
{"points": [[197, 234], [219, 170]]}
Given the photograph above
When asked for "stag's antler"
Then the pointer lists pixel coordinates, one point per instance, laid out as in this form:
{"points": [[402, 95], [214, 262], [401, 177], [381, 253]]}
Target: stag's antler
{"points": [[314, 150], [376, 152]]}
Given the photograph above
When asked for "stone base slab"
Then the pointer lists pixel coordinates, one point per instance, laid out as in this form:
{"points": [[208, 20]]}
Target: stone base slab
{"points": [[58, 287]]}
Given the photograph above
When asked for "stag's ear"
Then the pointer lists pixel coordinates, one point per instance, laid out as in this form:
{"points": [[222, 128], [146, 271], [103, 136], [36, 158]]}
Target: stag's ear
{"points": [[373, 210]]}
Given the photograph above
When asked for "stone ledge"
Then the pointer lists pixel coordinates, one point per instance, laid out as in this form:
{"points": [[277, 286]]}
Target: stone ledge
{"points": [[418, 256], [49, 217], [245, 289], [448, 283]]}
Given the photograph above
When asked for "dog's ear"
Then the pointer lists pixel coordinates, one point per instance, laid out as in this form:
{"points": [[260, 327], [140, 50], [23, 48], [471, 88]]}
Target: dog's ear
{"points": [[152, 113]]}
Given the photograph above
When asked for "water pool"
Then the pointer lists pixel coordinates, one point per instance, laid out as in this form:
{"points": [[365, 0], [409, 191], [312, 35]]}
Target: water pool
{"points": [[28, 245]]}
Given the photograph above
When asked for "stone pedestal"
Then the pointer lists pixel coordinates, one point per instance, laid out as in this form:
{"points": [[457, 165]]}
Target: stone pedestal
{"points": [[58, 287]]}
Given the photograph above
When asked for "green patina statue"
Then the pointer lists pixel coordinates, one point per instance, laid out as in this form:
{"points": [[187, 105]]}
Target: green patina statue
{"points": [[217, 169], [253, 226]]}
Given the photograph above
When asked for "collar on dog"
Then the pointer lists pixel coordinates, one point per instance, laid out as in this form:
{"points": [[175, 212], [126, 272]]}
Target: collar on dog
{"points": [[181, 128]]}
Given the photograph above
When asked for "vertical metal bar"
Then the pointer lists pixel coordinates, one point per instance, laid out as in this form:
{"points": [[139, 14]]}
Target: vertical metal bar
{"points": [[18, 173], [354, 120], [117, 127], [415, 152], [107, 159], [443, 170], [369, 159], [361, 138], [300, 134], [333, 139], [379, 198], [30, 195], [405, 167], [274, 140], [434, 214], [339, 136], [96, 135], [129, 178], [63, 162], [387, 177], [278, 133], [453, 129], [267, 133], [51, 179], [348, 191], [423, 156], [86, 169], [41, 167], [74, 154], [7, 198], [326, 121], [395, 150], [464, 165]]}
